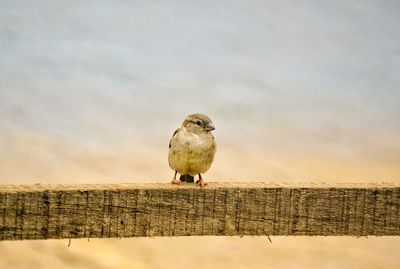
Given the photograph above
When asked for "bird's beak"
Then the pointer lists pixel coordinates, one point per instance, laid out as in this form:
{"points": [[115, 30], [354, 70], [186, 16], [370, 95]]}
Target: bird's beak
{"points": [[209, 127]]}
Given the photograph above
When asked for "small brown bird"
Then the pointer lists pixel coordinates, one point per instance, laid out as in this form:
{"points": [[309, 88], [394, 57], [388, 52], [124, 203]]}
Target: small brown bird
{"points": [[192, 148]]}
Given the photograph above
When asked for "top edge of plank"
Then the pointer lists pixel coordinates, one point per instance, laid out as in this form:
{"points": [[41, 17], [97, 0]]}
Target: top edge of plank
{"points": [[211, 185]]}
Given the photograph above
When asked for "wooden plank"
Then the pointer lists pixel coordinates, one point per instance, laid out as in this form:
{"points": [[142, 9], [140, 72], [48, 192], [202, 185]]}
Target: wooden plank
{"points": [[223, 209]]}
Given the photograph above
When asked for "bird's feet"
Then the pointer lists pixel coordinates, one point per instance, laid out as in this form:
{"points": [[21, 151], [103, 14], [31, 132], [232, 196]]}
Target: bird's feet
{"points": [[201, 182], [176, 181]]}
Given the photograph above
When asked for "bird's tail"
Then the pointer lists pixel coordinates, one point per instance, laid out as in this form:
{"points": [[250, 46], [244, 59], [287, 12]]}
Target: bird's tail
{"points": [[187, 178]]}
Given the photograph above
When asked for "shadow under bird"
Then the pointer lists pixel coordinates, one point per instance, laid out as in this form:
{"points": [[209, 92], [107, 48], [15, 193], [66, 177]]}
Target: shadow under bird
{"points": [[192, 149]]}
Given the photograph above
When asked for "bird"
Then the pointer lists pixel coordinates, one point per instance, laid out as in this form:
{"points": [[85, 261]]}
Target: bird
{"points": [[192, 149]]}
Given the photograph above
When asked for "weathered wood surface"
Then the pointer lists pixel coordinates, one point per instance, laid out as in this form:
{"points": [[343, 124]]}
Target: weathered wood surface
{"points": [[132, 210]]}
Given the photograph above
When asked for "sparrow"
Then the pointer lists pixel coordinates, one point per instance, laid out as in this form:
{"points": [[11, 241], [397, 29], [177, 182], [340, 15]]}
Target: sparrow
{"points": [[192, 148]]}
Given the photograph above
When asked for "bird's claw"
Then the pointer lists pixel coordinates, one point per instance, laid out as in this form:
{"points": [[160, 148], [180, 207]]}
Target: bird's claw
{"points": [[176, 181], [201, 182]]}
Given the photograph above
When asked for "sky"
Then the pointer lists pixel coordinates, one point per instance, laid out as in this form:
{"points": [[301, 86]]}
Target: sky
{"points": [[296, 90]]}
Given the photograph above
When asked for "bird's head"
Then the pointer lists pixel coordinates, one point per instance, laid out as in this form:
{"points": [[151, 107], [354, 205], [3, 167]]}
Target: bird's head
{"points": [[198, 123]]}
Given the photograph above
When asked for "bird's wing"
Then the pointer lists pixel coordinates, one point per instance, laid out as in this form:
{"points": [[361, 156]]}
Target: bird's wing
{"points": [[176, 131]]}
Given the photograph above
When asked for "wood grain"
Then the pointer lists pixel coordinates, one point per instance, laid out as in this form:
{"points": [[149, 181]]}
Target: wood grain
{"points": [[224, 209]]}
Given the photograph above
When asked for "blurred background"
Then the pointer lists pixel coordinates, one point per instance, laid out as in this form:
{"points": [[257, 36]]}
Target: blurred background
{"points": [[91, 92]]}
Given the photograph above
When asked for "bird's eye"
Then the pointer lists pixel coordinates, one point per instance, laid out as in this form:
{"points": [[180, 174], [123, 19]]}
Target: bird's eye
{"points": [[198, 123]]}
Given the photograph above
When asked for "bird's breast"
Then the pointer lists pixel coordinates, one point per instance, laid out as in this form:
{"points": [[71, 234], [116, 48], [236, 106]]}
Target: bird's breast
{"points": [[192, 153]]}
